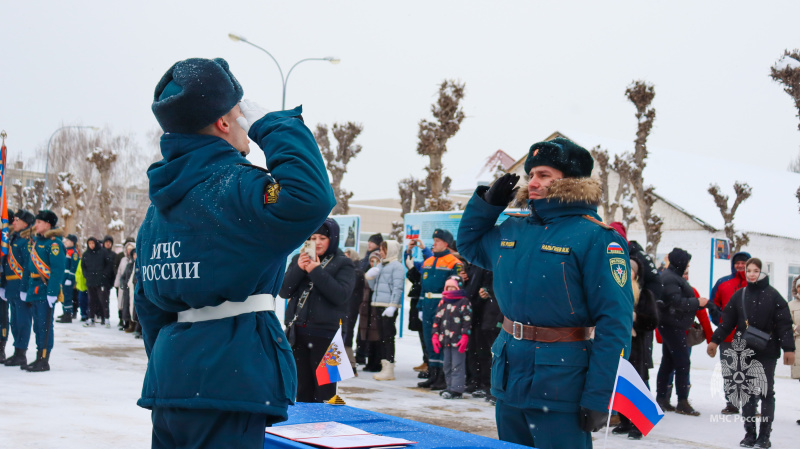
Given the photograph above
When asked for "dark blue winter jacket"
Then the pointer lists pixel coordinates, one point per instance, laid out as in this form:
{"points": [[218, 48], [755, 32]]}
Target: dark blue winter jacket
{"points": [[211, 235], [52, 257], [556, 267], [20, 250]]}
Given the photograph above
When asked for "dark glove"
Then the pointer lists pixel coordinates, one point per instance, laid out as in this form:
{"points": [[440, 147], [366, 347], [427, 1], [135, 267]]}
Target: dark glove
{"points": [[502, 191], [591, 420]]}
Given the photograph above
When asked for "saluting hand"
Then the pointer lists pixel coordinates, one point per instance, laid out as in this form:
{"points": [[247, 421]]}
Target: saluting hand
{"points": [[502, 191]]}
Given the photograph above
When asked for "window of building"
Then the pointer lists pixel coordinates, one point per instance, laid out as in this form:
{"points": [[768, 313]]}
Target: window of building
{"points": [[794, 270], [769, 268]]}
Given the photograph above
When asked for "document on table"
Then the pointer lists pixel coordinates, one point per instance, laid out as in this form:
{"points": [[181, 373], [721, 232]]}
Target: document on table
{"points": [[334, 435]]}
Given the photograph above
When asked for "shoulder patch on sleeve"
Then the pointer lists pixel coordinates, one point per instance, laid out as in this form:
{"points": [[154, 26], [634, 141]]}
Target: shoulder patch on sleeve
{"points": [[598, 222]]}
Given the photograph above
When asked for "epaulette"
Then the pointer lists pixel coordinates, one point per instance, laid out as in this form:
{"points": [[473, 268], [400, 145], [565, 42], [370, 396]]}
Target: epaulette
{"points": [[597, 222]]}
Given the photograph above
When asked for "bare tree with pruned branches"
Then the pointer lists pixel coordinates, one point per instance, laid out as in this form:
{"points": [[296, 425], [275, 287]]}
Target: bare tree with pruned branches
{"points": [[336, 160], [433, 137], [743, 192], [641, 94], [787, 72]]}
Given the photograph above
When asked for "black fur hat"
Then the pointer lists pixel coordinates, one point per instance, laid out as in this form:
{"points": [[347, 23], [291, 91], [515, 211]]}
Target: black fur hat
{"points": [[562, 154], [194, 93], [25, 216], [679, 259], [73, 238], [445, 235], [48, 216]]}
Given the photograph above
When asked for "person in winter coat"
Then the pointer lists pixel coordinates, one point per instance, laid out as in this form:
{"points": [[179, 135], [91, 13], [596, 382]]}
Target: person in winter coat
{"points": [[132, 281], [369, 321], [676, 314], [759, 306], [353, 304], [41, 284], [97, 269], [452, 325], [386, 280], [211, 254], [415, 277], [558, 271], [318, 291], [645, 321], [794, 309], [486, 325], [435, 271], [737, 266], [126, 294], [123, 296], [373, 244], [14, 265]]}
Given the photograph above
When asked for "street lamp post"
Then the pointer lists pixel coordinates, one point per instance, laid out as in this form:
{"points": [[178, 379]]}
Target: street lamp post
{"points": [[49, 142], [284, 80]]}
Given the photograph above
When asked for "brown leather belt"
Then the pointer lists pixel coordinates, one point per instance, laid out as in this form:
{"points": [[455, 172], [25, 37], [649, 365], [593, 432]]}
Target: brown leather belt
{"points": [[545, 334]]}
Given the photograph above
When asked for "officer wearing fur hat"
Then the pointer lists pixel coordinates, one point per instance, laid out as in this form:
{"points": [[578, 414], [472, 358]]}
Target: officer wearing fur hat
{"points": [[435, 272], [41, 283], [13, 267], [558, 272], [211, 253]]}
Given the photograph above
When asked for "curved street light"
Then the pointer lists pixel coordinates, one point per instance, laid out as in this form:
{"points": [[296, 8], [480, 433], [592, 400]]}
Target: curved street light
{"points": [[47, 160], [284, 80]]}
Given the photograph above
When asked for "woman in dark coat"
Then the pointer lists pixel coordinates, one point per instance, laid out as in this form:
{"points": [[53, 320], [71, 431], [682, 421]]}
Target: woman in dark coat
{"points": [[318, 292], [760, 306], [645, 321]]}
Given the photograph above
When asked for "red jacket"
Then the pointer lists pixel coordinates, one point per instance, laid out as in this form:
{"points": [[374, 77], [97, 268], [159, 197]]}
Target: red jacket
{"points": [[702, 316], [726, 290]]}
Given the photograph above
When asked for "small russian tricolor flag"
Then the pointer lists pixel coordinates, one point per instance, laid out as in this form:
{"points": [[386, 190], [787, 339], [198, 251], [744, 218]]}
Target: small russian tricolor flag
{"points": [[335, 366], [632, 398]]}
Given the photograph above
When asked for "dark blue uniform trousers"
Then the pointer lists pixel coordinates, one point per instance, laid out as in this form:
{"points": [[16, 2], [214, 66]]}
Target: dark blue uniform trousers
{"points": [[21, 318], [175, 428], [43, 325], [67, 291], [540, 429], [428, 306], [83, 304], [3, 320]]}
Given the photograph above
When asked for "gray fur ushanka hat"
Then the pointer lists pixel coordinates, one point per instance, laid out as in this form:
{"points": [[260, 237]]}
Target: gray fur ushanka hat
{"points": [[194, 93]]}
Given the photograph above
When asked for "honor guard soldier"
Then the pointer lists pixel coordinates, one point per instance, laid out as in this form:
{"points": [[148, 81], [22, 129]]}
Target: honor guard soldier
{"points": [[13, 267], [558, 272], [211, 253], [73, 259], [435, 272], [41, 283]]}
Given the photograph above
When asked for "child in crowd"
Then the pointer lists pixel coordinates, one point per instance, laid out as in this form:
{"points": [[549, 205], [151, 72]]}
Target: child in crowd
{"points": [[451, 329]]}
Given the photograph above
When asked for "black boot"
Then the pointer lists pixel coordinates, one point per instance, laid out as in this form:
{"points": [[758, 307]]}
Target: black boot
{"points": [[18, 359], [66, 318], [432, 374], [663, 401], [763, 435], [749, 436], [684, 408], [623, 427], [41, 363], [440, 383], [730, 409], [635, 434], [2, 352]]}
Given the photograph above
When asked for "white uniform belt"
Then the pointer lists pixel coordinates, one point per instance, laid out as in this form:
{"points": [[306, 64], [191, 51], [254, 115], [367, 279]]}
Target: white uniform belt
{"points": [[255, 303], [433, 295]]}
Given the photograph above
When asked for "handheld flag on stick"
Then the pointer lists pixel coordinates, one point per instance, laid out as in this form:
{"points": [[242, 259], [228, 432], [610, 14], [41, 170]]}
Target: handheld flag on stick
{"points": [[3, 200], [632, 398], [335, 366]]}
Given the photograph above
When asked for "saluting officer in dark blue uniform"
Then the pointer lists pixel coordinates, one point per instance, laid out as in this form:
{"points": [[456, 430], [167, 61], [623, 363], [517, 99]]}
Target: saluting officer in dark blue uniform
{"points": [[41, 283], [558, 272], [13, 267], [211, 255]]}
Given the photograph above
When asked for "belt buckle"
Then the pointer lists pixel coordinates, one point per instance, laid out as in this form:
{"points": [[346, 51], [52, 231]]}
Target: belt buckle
{"points": [[517, 330]]}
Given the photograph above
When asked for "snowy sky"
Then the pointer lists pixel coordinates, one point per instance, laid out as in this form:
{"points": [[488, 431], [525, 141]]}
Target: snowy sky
{"points": [[530, 68]]}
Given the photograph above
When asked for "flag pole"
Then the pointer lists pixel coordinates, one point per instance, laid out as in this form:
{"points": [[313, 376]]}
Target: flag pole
{"points": [[611, 406]]}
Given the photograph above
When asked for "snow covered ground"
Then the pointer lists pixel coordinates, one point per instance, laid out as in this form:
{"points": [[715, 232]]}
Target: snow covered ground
{"points": [[88, 399]]}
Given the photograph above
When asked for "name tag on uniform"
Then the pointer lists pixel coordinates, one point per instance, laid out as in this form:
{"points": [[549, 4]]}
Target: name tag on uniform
{"points": [[555, 249], [508, 244]]}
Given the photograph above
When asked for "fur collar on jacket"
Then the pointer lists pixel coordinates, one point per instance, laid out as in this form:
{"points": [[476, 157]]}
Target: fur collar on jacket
{"points": [[57, 232], [569, 190]]}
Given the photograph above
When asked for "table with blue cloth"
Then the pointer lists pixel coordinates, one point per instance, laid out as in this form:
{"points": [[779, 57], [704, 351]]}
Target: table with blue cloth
{"points": [[426, 435]]}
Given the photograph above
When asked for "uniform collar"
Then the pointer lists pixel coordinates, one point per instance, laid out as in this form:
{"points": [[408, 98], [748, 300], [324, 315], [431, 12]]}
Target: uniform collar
{"points": [[567, 197]]}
